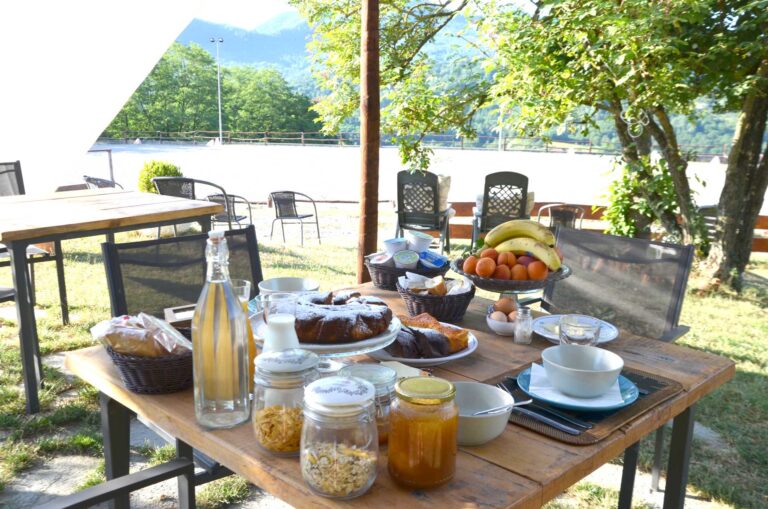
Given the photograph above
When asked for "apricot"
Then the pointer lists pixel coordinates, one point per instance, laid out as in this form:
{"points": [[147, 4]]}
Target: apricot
{"points": [[489, 253], [501, 272], [485, 267], [469, 264], [537, 270], [507, 259], [519, 272]]}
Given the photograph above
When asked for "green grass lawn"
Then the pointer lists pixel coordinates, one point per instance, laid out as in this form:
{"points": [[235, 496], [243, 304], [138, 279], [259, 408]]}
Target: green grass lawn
{"points": [[735, 474]]}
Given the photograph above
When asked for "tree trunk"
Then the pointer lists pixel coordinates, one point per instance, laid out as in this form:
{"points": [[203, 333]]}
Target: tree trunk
{"points": [[746, 178], [369, 135]]}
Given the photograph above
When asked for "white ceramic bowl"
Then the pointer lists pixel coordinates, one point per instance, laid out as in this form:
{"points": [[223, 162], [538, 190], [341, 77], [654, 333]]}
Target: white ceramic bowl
{"points": [[418, 241], [288, 284], [581, 371], [392, 246], [500, 328], [472, 397]]}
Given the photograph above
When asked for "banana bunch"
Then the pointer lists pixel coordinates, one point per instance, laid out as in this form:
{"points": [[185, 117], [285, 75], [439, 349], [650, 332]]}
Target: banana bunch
{"points": [[523, 236]]}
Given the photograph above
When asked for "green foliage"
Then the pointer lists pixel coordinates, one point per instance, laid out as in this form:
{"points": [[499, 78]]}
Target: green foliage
{"points": [[642, 188], [153, 169]]}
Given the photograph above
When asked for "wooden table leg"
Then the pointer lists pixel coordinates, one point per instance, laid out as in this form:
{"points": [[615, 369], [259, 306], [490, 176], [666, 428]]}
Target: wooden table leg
{"points": [[116, 430], [679, 456], [31, 364]]}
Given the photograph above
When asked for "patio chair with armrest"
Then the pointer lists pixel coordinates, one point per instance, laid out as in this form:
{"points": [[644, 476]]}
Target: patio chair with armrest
{"points": [[418, 206], [561, 215], [100, 183], [636, 284], [150, 276], [287, 213], [12, 184], [504, 198]]}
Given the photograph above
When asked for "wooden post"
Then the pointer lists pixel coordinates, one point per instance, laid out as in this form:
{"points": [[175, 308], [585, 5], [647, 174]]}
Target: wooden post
{"points": [[369, 135]]}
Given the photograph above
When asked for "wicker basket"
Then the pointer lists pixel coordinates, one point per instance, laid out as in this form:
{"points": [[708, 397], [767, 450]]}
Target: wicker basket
{"points": [[386, 277], [154, 375], [446, 308], [512, 286]]}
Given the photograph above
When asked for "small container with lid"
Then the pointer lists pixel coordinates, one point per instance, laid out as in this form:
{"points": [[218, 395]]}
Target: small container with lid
{"points": [[383, 379], [424, 424], [339, 442], [329, 367], [278, 392]]}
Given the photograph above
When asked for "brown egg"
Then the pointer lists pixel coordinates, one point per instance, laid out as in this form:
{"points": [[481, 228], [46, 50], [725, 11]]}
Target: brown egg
{"points": [[498, 316], [512, 316], [505, 305]]}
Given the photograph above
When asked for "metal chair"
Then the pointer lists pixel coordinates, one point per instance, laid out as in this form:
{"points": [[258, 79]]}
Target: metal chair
{"points": [[504, 198], [418, 206], [286, 212], [562, 215], [183, 187], [636, 284], [99, 183], [12, 184]]}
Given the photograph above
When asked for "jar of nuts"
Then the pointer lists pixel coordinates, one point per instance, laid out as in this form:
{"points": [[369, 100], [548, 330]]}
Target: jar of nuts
{"points": [[278, 392], [339, 444]]}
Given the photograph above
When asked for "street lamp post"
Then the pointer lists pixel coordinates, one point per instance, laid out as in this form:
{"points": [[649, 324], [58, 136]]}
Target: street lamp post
{"points": [[217, 41]]}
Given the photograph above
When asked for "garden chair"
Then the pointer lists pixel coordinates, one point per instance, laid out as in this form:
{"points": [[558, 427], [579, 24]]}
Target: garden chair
{"points": [[12, 184], [418, 206], [99, 183], [183, 187], [561, 215], [504, 198], [636, 284], [286, 212]]}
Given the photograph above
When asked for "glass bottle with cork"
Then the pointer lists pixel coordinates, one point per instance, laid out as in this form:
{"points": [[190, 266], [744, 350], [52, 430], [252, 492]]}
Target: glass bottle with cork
{"points": [[220, 345]]}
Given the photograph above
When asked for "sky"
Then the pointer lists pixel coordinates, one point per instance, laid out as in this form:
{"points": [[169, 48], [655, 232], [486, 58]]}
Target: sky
{"points": [[245, 14]]}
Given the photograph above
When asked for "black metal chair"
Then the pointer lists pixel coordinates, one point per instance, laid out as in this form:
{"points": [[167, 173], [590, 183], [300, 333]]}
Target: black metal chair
{"points": [[183, 187], [504, 198], [12, 184], [418, 206], [636, 284], [561, 215], [99, 183], [287, 213]]}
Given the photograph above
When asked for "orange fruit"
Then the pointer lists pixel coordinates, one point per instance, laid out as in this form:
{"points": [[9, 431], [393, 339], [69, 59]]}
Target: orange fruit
{"points": [[525, 260], [469, 264], [502, 272], [519, 272], [537, 270], [507, 259], [489, 253], [485, 267]]}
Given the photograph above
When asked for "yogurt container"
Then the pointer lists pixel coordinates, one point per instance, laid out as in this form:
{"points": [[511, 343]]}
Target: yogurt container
{"points": [[394, 245], [382, 259], [432, 260], [418, 241], [406, 259]]}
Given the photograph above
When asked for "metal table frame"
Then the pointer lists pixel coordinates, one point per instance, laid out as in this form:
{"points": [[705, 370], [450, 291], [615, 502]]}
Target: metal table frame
{"points": [[31, 362]]}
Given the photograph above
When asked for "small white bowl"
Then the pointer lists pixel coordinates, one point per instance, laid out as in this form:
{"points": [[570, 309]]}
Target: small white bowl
{"points": [[392, 246], [472, 397], [581, 371], [500, 328], [288, 284], [418, 241]]}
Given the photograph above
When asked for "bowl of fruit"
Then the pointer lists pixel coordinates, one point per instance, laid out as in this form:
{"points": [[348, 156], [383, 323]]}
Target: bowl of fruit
{"points": [[518, 256]]}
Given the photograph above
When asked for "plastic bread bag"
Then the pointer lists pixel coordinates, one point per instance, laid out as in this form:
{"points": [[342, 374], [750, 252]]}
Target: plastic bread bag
{"points": [[142, 335]]}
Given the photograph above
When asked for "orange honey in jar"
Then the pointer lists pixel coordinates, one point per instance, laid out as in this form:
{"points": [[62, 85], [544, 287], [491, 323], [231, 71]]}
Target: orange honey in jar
{"points": [[424, 421]]}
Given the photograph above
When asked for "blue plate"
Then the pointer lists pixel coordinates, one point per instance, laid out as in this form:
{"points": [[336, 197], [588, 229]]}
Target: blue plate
{"points": [[629, 394]]}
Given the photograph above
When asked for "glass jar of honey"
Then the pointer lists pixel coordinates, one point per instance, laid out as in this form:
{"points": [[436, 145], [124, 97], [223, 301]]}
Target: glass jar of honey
{"points": [[424, 421]]}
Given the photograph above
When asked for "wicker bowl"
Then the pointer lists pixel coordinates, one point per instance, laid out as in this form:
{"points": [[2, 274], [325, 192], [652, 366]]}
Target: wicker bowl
{"points": [[386, 277], [154, 375], [446, 308], [512, 286]]}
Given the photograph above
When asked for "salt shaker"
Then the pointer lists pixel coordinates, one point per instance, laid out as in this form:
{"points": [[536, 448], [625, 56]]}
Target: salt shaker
{"points": [[523, 326]]}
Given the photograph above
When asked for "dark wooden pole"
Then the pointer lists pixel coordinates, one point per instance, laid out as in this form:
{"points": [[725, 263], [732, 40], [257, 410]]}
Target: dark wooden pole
{"points": [[369, 135]]}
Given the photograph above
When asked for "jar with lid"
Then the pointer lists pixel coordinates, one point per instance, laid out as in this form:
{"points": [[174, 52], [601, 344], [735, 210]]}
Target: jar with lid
{"points": [[339, 442], [278, 393], [423, 432], [383, 379]]}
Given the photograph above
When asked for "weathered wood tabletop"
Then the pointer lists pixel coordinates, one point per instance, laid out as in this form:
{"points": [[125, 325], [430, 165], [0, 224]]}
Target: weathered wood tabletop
{"points": [[41, 215], [520, 469]]}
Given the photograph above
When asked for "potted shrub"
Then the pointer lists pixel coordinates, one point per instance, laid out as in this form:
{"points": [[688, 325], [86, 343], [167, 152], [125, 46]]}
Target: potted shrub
{"points": [[154, 169]]}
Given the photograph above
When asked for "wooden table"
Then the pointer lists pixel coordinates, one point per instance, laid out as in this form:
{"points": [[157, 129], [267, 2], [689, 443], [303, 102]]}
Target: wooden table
{"points": [[520, 469], [53, 217]]}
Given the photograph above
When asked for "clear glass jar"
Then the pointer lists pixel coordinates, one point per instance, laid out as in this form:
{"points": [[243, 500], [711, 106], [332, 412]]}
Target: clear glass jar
{"points": [[423, 432], [278, 394], [383, 379], [339, 441], [329, 367], [523, 326]]}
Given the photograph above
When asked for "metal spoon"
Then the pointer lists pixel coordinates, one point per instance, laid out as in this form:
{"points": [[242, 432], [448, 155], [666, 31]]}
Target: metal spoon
{"points": [[502, 408]]}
